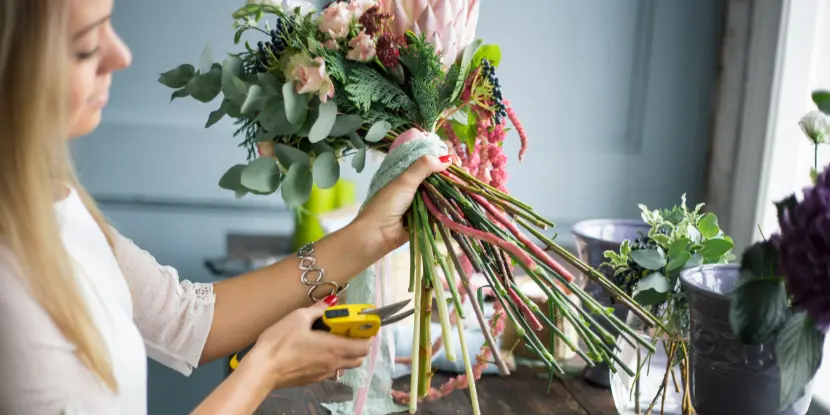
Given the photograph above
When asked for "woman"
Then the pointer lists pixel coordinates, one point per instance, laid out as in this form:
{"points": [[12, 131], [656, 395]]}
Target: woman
{"points": [[82, 306]]}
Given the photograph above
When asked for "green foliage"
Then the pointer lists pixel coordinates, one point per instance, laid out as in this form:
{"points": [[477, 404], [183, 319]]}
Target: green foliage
{"points": [[490, 52], [427, 78], [822, 100], [367, 86], [798, 350], [758, 306]]}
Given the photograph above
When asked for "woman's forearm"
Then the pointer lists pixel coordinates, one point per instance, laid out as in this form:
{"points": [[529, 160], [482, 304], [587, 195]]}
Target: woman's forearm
{"points": [[248, 304], [241, 393]]}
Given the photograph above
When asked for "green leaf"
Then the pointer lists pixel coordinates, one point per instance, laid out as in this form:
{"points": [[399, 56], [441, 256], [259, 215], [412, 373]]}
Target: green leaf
{"points": [[625, 248], [652, 289], [359, 160], [678, 246], [758, 305], [715, 248], [232, 179], [325, 121], [296, 187], [651, 259], [661, 239], [490, 52], [345, 124], [289, 156], [708, 226], [263, 135], [231, 108], [179, 93], [693, 233], [798, 350], [822, 100], [465, 133], [178, 77], [678, 261], [695, 261], [252, 102], [207, 86], [232, 69], [269, 83], [296, 105], [357, 142], [206, 59], [378, 131], [262, 175], [326, 170], [273, 118], [466, 58], [215, 116], [787, 207]]}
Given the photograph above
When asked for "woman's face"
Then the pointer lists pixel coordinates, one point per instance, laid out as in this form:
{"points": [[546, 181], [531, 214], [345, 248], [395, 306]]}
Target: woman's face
{"points": [[97, 52]]}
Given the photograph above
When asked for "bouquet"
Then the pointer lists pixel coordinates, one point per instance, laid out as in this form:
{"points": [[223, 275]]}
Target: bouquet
{"points": [[784, 292], [648, 268], [405, 79]]}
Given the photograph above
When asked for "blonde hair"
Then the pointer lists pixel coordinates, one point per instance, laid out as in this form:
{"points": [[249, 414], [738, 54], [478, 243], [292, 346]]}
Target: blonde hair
{"points": [[35, 167]]}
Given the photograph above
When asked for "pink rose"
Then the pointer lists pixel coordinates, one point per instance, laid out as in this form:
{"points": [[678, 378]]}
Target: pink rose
{"points": [[310, 76], [362, 48], [358, 7], [335, 20], [331, 44]]}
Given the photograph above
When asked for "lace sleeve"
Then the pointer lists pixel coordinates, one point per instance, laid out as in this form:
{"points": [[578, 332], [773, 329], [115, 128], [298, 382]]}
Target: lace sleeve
{"points": [[173, 316]]}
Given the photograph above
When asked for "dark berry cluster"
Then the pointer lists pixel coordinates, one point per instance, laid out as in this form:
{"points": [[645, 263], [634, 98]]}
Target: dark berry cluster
{"points": [[276, 46], [490, 72]]}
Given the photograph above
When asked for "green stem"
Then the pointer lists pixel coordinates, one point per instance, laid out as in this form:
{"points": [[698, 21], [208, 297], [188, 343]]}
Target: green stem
{"points": [[425, 349], [456, 298], [468, 368], [416, 341], [413, 246]]}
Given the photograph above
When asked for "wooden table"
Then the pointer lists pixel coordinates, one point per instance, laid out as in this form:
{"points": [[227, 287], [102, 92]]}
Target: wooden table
{"points": [[524, 392]]}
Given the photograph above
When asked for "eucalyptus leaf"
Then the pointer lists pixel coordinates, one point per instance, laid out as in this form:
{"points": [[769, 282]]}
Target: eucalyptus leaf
{"points": [[326, 170], [325, 121], [378, 131], [708, 226], [231, 69], [678, 261], [269, 83], [296, 105], [215, 116], [359, 160], [357, 142], [264, 135], [651, 259], [345, 124], [178, 77], [273, 118], [232, 179], [296, 187], [310, 119], [179, 93], [231, 108], [798, 350], [652, 289], [207, 86], [715, 248], [206, 59], [252, 102], [322, 147], [262, 175], [289, 156], [678, 246]]}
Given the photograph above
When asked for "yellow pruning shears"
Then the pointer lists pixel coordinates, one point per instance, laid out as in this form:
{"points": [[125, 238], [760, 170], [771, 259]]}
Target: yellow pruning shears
{"points": [[350, 320]]}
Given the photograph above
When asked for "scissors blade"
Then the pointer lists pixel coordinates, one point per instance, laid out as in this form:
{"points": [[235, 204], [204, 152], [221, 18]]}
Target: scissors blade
{"points": [[388, 310], [395, 319]]}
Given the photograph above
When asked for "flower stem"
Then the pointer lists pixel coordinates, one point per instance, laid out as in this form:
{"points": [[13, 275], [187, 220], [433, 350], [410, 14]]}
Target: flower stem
{"points": [[468, 367], [443, 263], [416, 341]]}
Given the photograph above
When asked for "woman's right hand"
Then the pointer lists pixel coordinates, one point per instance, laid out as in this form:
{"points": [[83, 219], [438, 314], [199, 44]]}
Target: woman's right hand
{"points": [[294, 355]]}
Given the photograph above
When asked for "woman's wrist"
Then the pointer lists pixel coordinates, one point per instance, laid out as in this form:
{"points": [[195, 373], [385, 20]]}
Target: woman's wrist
{"points": [[369, 239]]}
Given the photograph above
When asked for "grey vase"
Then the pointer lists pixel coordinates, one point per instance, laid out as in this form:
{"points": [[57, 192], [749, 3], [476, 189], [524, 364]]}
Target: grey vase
{"points": [[728, 377], [593, 238]]}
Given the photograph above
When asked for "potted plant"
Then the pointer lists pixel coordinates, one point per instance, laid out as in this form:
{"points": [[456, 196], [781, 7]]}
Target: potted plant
{"points": [[649, 268], [782, 297]]}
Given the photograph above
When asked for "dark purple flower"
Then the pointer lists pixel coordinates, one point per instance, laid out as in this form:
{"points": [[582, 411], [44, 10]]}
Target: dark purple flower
{"points": [[804, 250]]}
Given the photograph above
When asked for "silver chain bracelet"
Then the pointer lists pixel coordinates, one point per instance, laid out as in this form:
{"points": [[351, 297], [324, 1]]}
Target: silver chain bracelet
{"points": [[313, 275]]}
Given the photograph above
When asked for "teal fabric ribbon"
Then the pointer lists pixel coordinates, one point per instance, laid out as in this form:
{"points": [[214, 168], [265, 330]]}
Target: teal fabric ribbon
{"points": [[377, 384]]}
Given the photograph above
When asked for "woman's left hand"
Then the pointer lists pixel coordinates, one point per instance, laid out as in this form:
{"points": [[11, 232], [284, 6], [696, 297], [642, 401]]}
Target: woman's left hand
{"points": [[385, 211]]}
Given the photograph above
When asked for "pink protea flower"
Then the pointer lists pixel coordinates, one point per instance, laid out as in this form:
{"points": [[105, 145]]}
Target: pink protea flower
{"points": [[450, 25]]}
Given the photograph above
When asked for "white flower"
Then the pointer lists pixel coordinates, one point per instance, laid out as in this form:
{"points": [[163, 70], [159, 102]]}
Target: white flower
{"points": [[358, 7], [816, 126], [362, 48], [306, 6]]}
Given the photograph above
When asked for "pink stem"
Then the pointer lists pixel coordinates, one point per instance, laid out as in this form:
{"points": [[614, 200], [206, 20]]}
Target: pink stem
{"points": [[537, 252], [531, 319], [482, 236]]}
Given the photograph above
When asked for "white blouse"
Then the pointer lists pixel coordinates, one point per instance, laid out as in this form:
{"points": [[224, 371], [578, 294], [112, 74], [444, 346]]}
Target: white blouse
{"points": [[140, 307]]}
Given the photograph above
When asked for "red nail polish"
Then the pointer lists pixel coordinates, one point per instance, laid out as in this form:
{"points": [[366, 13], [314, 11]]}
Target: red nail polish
{"points": [[445, 159], [331, 300]]}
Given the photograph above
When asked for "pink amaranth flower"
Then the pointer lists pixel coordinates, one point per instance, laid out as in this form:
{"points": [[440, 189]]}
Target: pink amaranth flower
{"points": [[455, 142], [519, 128]]}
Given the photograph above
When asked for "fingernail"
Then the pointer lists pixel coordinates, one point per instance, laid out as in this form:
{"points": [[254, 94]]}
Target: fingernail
{"points": [[445, 159], [331, 300]]}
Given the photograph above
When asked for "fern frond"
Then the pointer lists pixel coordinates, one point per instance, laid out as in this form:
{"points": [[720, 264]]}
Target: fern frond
{"points": [[367, 86]]}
